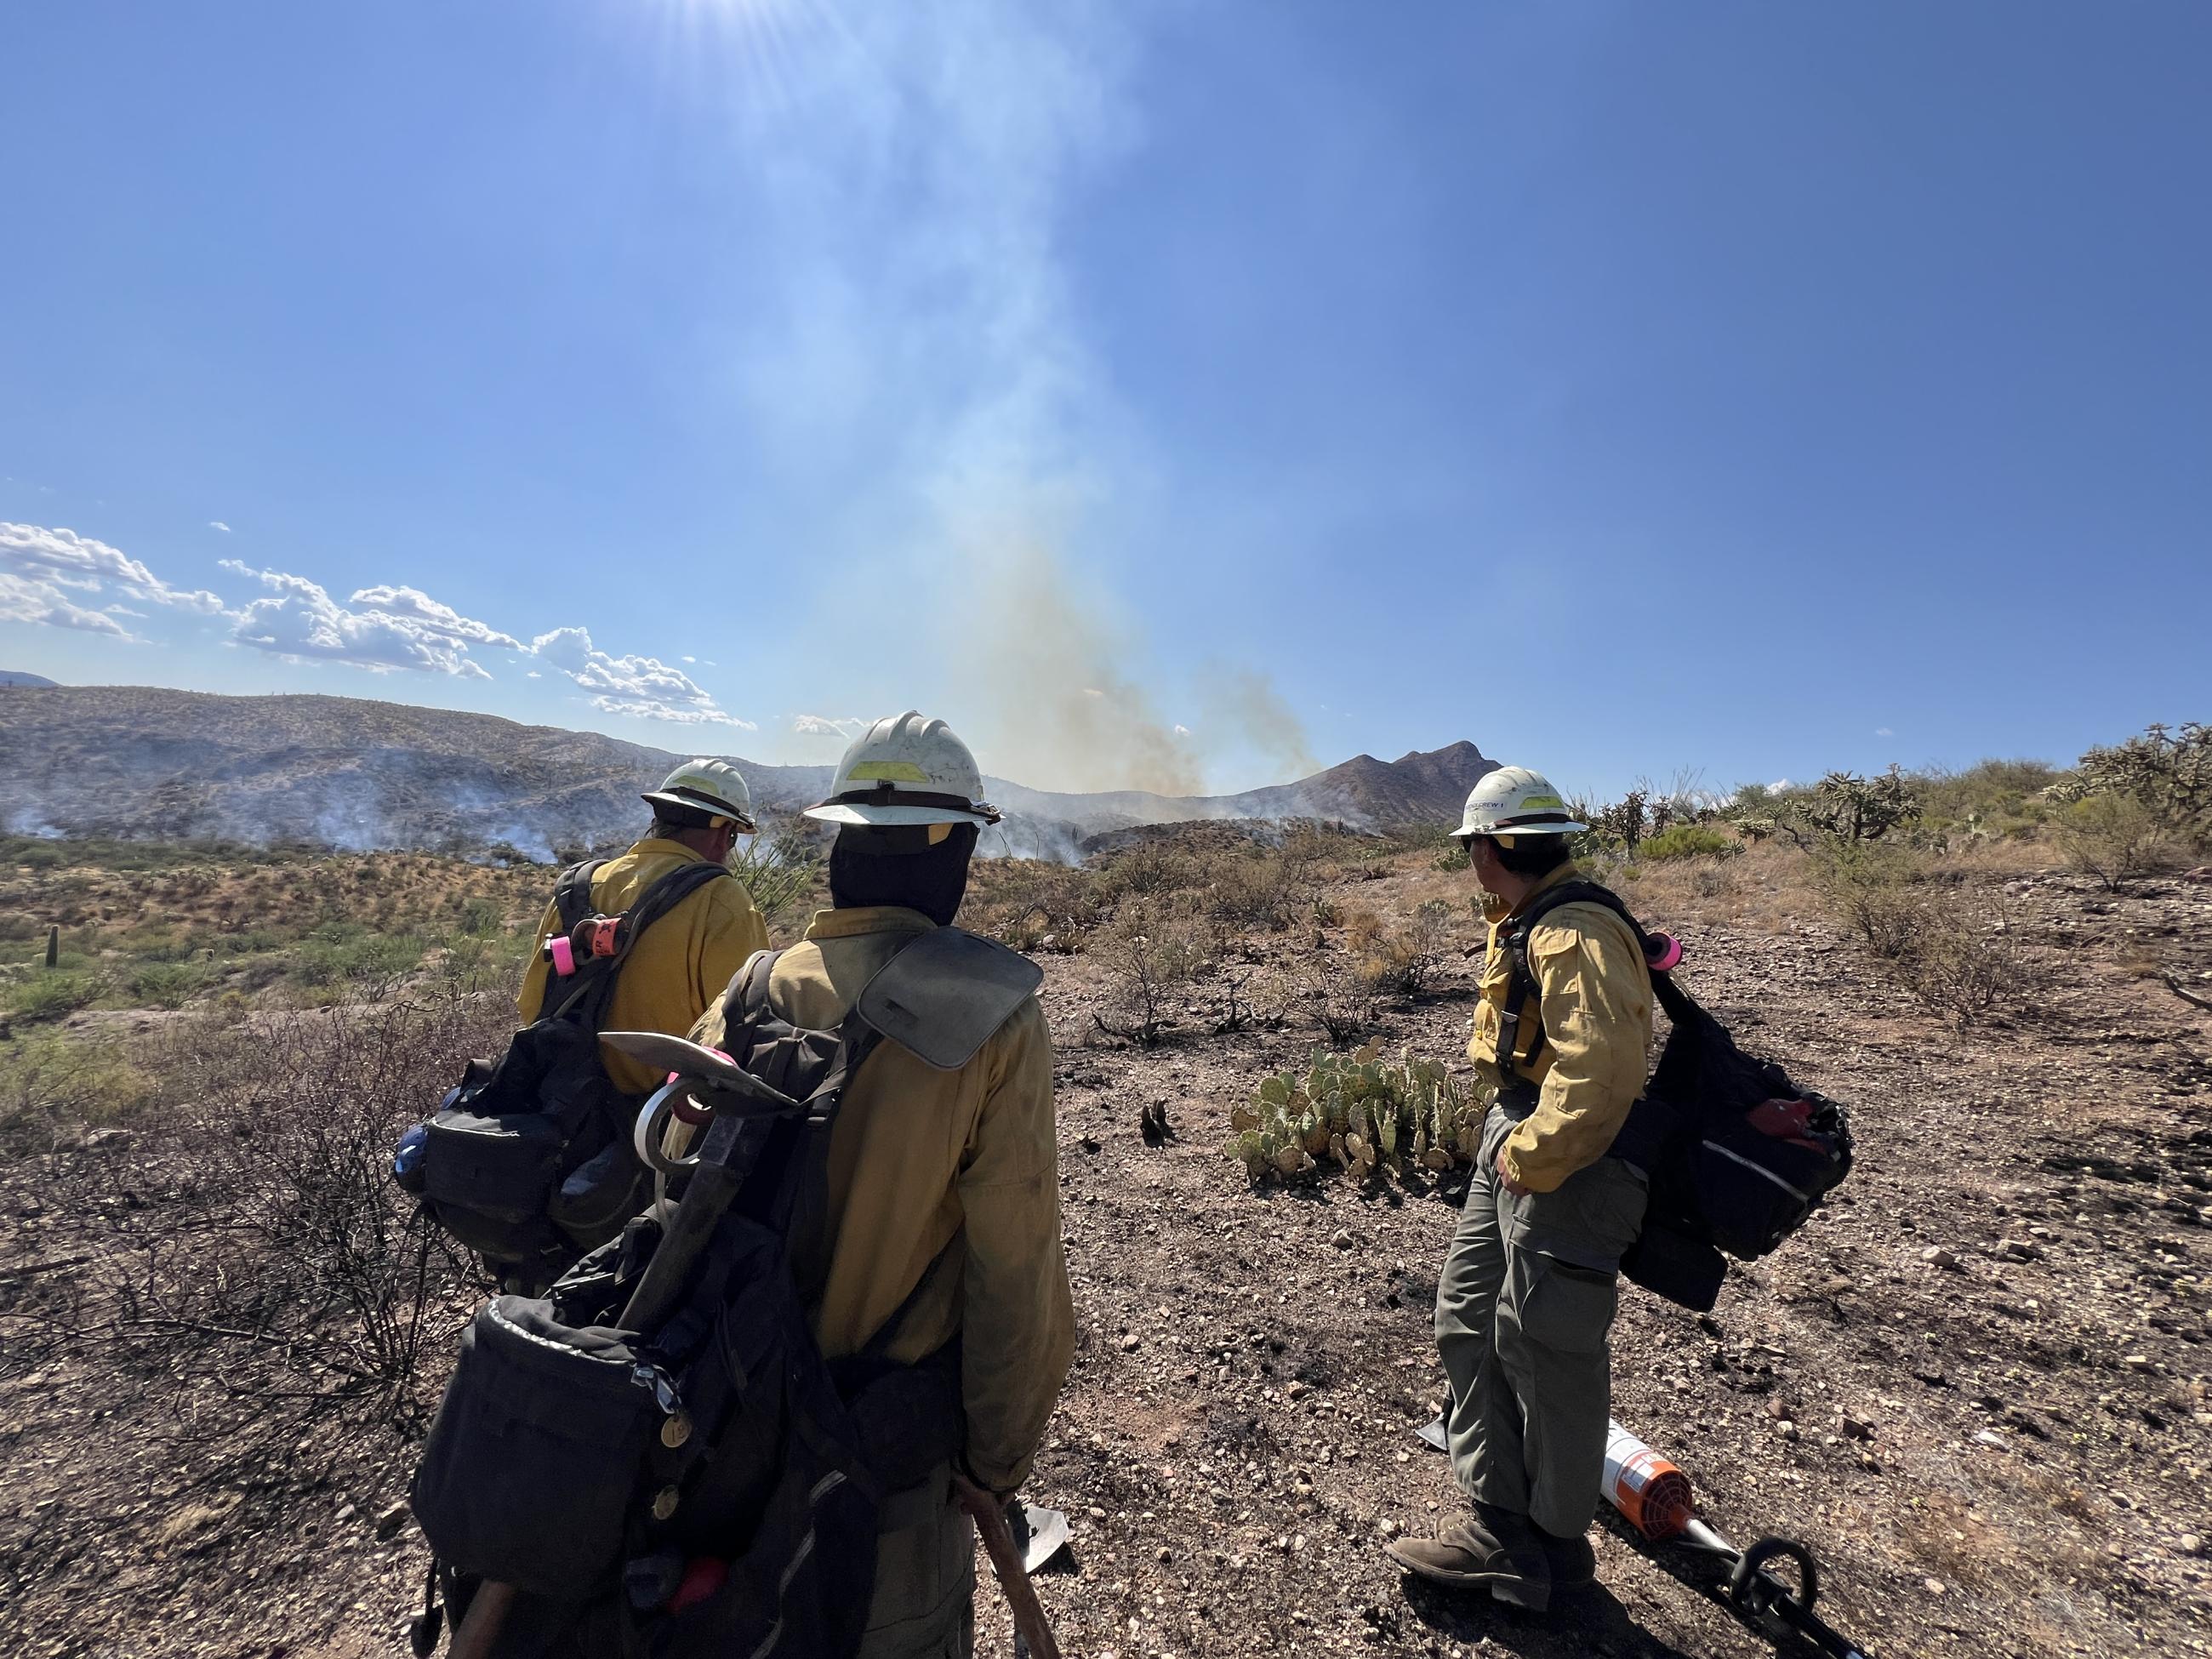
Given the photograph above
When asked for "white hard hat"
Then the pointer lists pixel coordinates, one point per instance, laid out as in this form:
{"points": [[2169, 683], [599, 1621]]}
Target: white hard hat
{"points": [[1514, 801], [708, 785], [906, 769]]}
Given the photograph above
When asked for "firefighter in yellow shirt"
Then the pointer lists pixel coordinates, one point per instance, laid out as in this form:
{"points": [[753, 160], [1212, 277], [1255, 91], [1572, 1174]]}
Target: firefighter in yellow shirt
{"points": [[943, 1188], [681, 964], [1525, 1301]]}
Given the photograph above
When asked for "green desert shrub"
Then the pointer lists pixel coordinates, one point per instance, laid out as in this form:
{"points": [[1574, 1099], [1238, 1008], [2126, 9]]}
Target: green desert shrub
{"points": [[54, 995], [1689, 840], [53, 1086], [166, 984], [780, 868], [482, 916], [340, 956], [2114, 837], [2169, 772], [1259, 890], [1876, 892], [1988, 800]]}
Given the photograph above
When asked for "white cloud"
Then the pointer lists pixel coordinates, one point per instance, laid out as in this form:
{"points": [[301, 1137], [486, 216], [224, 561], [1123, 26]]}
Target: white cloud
{"points": [[25, 599], [301, 621], [217, 524], [1182, 731], [383, 627], [644, 687], [1883, 732], [61, 558], [690, 659], [412, 605], [824, 726]]}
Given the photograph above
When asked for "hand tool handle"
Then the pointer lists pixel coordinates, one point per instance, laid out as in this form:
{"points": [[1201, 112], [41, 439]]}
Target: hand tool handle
{"points": [[477, 1633], [698, 1213], [1007, 1562]]}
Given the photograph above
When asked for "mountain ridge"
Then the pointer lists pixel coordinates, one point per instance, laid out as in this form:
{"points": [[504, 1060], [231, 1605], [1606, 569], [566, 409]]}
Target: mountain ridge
{"points": [[357, 773]]}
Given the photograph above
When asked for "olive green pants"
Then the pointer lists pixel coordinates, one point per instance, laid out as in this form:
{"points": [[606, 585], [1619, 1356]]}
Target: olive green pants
{"points": [[923, 1606], [1524, 1306]]}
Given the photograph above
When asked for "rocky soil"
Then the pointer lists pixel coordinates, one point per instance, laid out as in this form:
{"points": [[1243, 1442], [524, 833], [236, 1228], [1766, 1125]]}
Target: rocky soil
{"points": [[1975, 1385]]}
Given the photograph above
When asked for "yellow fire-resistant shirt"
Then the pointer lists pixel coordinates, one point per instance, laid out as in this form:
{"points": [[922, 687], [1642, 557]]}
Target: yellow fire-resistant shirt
{"points": [[919, 1157], [679, 966], [1595, 991]]}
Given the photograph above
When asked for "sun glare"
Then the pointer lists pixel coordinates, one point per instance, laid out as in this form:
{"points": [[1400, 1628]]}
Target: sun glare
{"points": [[747, 50]]}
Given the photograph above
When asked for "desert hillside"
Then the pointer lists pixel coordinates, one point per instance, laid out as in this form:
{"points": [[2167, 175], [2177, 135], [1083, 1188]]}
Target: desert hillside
{"points": [[139, 761]]}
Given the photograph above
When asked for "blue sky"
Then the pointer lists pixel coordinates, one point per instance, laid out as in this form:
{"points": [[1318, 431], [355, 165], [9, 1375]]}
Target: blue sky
{"points": [[1173, 394]]}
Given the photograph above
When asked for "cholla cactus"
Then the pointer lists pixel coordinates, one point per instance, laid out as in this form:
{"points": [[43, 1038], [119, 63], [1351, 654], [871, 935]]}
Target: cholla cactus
{"points": [[1357, 1111]]}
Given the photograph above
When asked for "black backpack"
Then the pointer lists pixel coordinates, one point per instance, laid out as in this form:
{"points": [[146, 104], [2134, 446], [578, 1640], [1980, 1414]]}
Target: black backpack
{"points": [[529, 1161], [1738, 1155], [708, 1486]]}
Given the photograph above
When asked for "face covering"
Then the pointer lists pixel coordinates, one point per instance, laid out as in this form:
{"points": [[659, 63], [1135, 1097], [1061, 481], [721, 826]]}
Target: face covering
{"points": [[897, 864]]}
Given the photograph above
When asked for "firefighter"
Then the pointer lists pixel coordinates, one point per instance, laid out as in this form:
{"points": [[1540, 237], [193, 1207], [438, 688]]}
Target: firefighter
{"points": [[943, 1214], [1525, 1301], [680, 964]]}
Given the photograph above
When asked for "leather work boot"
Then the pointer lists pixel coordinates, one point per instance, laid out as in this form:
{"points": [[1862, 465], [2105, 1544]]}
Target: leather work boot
{"points": [[1492, 1549], [1572, 1561]]}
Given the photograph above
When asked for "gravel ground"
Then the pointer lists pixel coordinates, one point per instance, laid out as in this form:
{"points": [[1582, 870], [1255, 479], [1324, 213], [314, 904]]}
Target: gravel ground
{"points": [[1975, 1384]]}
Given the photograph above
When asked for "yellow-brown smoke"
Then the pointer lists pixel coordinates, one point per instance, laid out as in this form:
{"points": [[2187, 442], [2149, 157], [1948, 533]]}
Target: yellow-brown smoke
{"points": [[1055, 709]]}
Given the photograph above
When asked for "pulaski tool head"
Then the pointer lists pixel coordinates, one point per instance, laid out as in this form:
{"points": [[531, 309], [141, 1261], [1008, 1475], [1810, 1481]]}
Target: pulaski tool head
{"points": [[680, 1057]]}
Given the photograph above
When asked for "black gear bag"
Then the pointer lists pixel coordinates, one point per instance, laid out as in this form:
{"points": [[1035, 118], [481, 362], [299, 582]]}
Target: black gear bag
{"points": [[710, 1487], [1737, 1155], [528, 1162]]}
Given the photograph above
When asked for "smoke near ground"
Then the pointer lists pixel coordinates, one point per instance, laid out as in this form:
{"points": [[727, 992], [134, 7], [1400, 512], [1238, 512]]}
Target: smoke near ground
{"points": [[1061, 715], [1243, 705], [1058, 704]]}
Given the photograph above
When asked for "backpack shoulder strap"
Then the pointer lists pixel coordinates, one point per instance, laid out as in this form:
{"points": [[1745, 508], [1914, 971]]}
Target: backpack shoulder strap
{"points": [[789, 1189], [588, 1004], [572, 893], [1523, 986], [665, 894], [745, 1002], [1553, 898]]}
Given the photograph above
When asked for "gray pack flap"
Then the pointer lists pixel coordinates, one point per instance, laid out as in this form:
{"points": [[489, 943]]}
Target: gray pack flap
{"points": [[946, 994]]}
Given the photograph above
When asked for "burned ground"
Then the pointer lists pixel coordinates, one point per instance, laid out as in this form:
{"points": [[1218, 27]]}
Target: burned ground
{"points": [[1975, 1384]]}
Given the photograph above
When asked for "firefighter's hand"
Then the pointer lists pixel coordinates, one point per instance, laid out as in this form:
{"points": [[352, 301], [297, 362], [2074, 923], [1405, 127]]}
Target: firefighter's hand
{"points": [[1505, 1176]]}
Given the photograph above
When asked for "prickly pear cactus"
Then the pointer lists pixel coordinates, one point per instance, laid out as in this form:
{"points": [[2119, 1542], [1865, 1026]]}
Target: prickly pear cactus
{"points": [[1356, 1112]]}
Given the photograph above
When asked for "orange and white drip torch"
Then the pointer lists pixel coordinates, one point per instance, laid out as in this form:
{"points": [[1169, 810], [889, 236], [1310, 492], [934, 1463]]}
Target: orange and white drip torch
{"points": [[1653, 1495]]}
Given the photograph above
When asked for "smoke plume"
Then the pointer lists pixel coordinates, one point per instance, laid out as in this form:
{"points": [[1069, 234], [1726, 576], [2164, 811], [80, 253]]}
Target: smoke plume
{"points": [[1043, 672], [917, 184]]}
